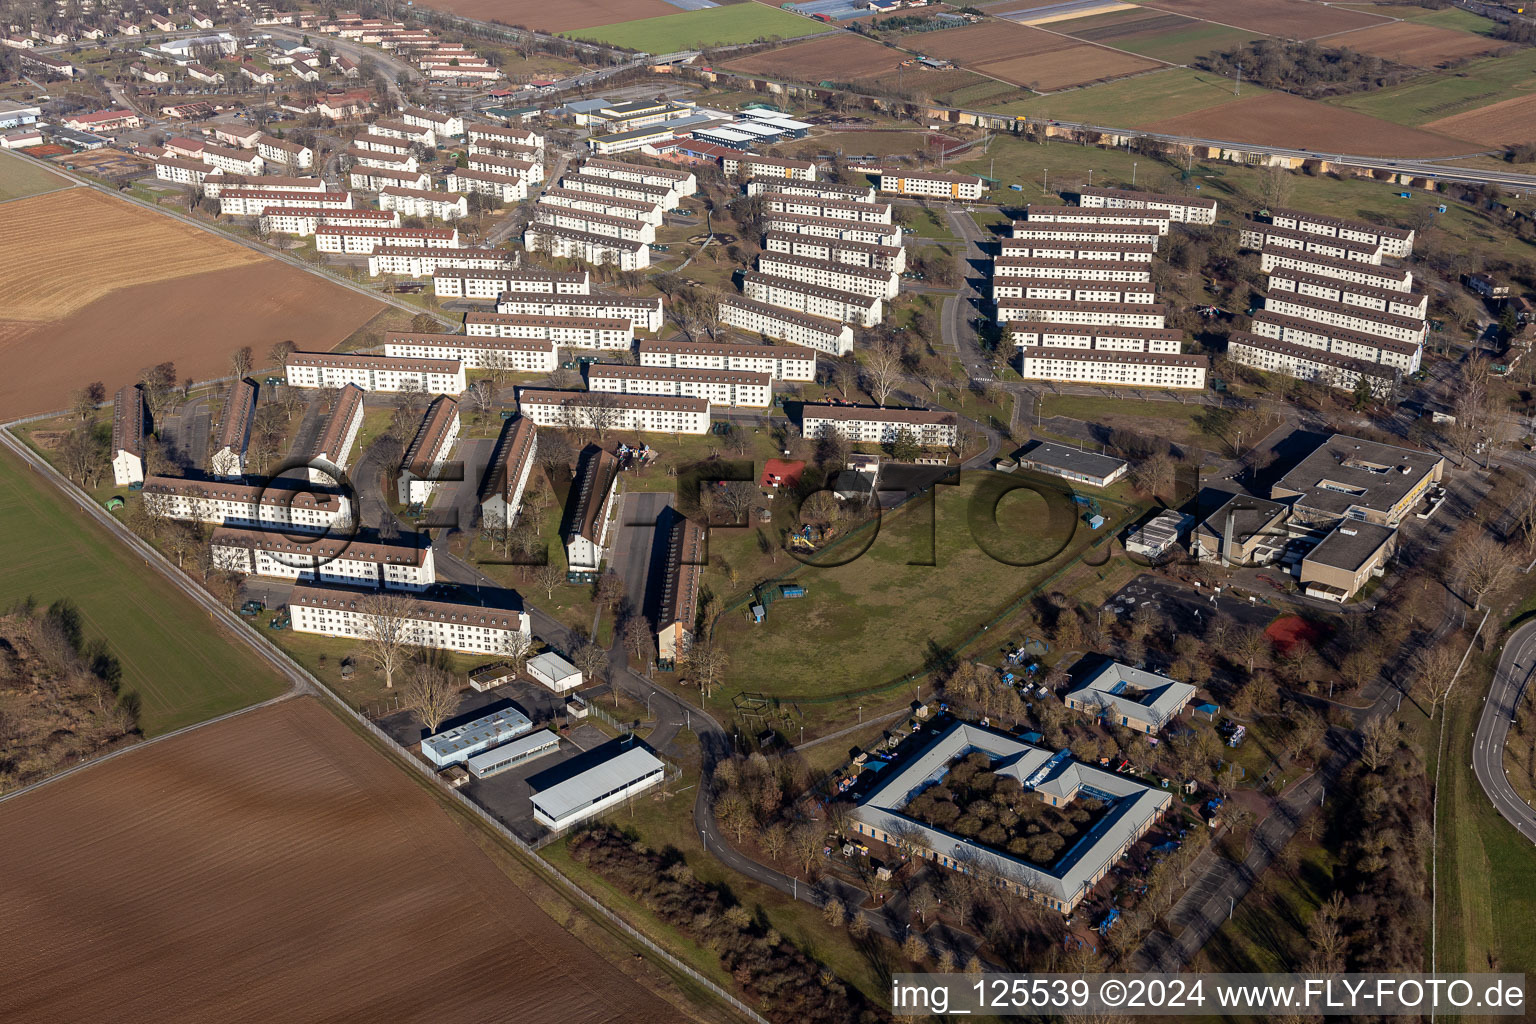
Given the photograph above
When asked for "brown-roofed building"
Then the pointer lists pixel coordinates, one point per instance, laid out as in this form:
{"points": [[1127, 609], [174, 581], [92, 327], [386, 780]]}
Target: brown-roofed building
{"points": [[506, 475], [589, 509], [234, 435], [404, 563], [422, 466], [328, 455], [863, 424], [130, 426], [679, 608]]}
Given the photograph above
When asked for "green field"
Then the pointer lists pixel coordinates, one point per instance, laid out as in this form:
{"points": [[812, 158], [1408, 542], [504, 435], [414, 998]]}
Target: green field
{"points": [[1130, 102], [1449, 17], [691, 30], [21, 177], [181, 667], [1431, 97], [1184, 45]]}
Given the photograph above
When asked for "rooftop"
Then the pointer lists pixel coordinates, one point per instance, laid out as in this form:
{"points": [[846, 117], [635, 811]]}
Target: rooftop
{"points": [[1073, 460], [1351, 545], [1132, 691], [624, 769], [1345, 473]]}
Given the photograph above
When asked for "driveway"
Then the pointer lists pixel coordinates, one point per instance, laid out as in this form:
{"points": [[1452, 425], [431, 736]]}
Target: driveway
{"points": [[635, 538]]}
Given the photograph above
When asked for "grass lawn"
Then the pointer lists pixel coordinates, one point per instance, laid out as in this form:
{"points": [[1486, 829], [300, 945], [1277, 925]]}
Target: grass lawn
{"points": [[1183, 46], [1134, 101], [1170, 419], [1431, 97], [20, 177], [1268, 932], [690, 30], [182, 667]]}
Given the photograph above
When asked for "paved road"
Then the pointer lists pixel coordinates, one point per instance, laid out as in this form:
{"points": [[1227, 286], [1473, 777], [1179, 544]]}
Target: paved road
{"points": [[634, 539], [1510, 680]]}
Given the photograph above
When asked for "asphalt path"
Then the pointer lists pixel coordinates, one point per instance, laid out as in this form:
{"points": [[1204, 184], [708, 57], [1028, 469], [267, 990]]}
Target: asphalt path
{"points": [[1510, 680]]}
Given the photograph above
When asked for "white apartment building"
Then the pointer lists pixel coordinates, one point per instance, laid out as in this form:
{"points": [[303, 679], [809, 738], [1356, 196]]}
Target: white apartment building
{"points": [[1372, 348], [601, 250], [612, 206], [519, 355], [680, 182], [414, 202], [378, 159], [234, 161], [829, 209], [427, 262], [1306, 363], [1050, 311], [182, 171], [1116, 369], [1393, 241], [1414, 305], [1348, 317], [830, 336], [880, 284], [217, 182], [821, 189], [767, 167], [644, 313], [507, 472], [831, 227], [1061, 289], [305, 221], [1397, 279], [590, 509], [837, 250], [531, 171], [490, 284], [1130, 271], [332, 447], [629, 229], [381, 143], [862, 310], [439, 625], [363, 241], [1115, 252], [1184, 209], [505, 188], [401, 564], [965, 187], [1101, 234], [376, 179], [615, 334], [866, 425], [423, 462], [253, 202], [496, 134], [779, 362], [1254, 235], [375, 373], [282, 153], [1028, 334], [399, 128], [719, 387], [661, 414], [637, 191], [276, 504], [440, 124], [1079, 216], [234, 436], [130, 427]]}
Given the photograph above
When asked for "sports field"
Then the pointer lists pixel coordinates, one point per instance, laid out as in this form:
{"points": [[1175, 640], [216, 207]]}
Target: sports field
{"points": [[182, 666], [21, 177], [692, 30]]}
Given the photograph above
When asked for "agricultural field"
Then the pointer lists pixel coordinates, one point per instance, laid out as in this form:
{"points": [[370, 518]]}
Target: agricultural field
{"points": [[178, 666], [859, 143], [296, 875], [1133, 103], [1065, 69], [1444, 94], [1280, 119], [20, 177], [990, 40], [566, 16], [1416, 44], [1501, 124], [1167, 37], [1294, 19], [843, 57], [128, 288], [691, 30]]}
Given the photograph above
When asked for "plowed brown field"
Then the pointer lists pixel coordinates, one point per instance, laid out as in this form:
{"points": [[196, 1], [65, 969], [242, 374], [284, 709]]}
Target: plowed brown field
{"points": [[841, 57], [1420, 46], [1505, 123], [271, 868], [991, 40], [93, 288], [1297, 19], [1276, 119], [1075, 65]]}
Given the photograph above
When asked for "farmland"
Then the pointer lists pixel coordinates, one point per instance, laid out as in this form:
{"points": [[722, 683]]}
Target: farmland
{"points": [[1063, 69], [1498, 124], [1296, 19], [690, 30], [178, 665], [844, 57], [565, 16], [1278, 119], [20, 177], [1167, 37], [131, 288], [1134, 102], [1443, 94], [1417, 45], [275, 867], [991, 40]]}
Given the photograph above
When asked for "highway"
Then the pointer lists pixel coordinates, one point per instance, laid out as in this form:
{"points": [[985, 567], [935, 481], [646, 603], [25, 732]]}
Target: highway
{"points": [[1516, 667]]}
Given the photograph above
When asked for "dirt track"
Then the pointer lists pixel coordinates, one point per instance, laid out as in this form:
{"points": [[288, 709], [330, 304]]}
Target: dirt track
{"points": [[275, 868]]}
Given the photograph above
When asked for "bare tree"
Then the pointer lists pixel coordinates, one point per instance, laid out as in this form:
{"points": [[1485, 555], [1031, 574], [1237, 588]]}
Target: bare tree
{"points": [[706, 662], [549, 576], [1378, 742], [241, 361], [515, 647], [1435, 668], [1483, 566], [1250, 645], [592, 660], [83, 401], [636, 637], [431, 692], [882, 369], [845, 373], [389, 630], [600, 412], [479, 394]]}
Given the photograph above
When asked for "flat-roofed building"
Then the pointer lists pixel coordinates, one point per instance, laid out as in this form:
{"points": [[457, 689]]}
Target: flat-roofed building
{"points": [[1116, 369], [591, 501], [422, 467], [880, 284], [459, 744], [509, 755], [1351, 478], [375, 373], [1131, 698], [662, 414], [490, 284], [779, 362], [767, 167], [1073, 464], [438, 625], [599, 249], [1243, 531], [629, 141], [401, 563], [1342, 563], [1134, 216], [234, 436], [644, 313], [867, 425], [719, 387], [831, 303], [1159, 535], [686, 555], [1393, 241], [1184, 209], [507, 472], [1306, 363], [586, 795], [282, 503], [823, 334], [130, 428], [837, 250]]}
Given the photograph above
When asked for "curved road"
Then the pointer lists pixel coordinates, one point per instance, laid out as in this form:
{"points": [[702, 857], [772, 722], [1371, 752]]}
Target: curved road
{"points": [[1516, 667]]}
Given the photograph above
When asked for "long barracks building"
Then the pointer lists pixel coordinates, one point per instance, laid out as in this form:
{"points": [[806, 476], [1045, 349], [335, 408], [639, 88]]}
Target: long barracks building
{"points": [[1050, 311], [644, 313], [1115, 369], [834, 337], [718, 387], [829, 227], [837, 250], [863, 310], [1077, 216], [481, 283], [879, 284], [275, 504], [777, 361], [663, 414], [1131, 271], [400, 564], [519, 355], [375, 373], [421, 261], [1184, 209]]}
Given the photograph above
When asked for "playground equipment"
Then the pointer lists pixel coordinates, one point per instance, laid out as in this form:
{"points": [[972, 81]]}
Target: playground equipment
{"points": [[1093, 512], [1109, 921]]}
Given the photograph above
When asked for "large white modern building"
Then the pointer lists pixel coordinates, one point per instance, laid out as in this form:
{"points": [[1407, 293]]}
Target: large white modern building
{"points": [[595, 790]]}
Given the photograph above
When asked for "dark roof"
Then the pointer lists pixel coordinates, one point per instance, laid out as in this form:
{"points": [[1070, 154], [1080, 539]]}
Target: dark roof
{"points": [[1061, 457]]}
